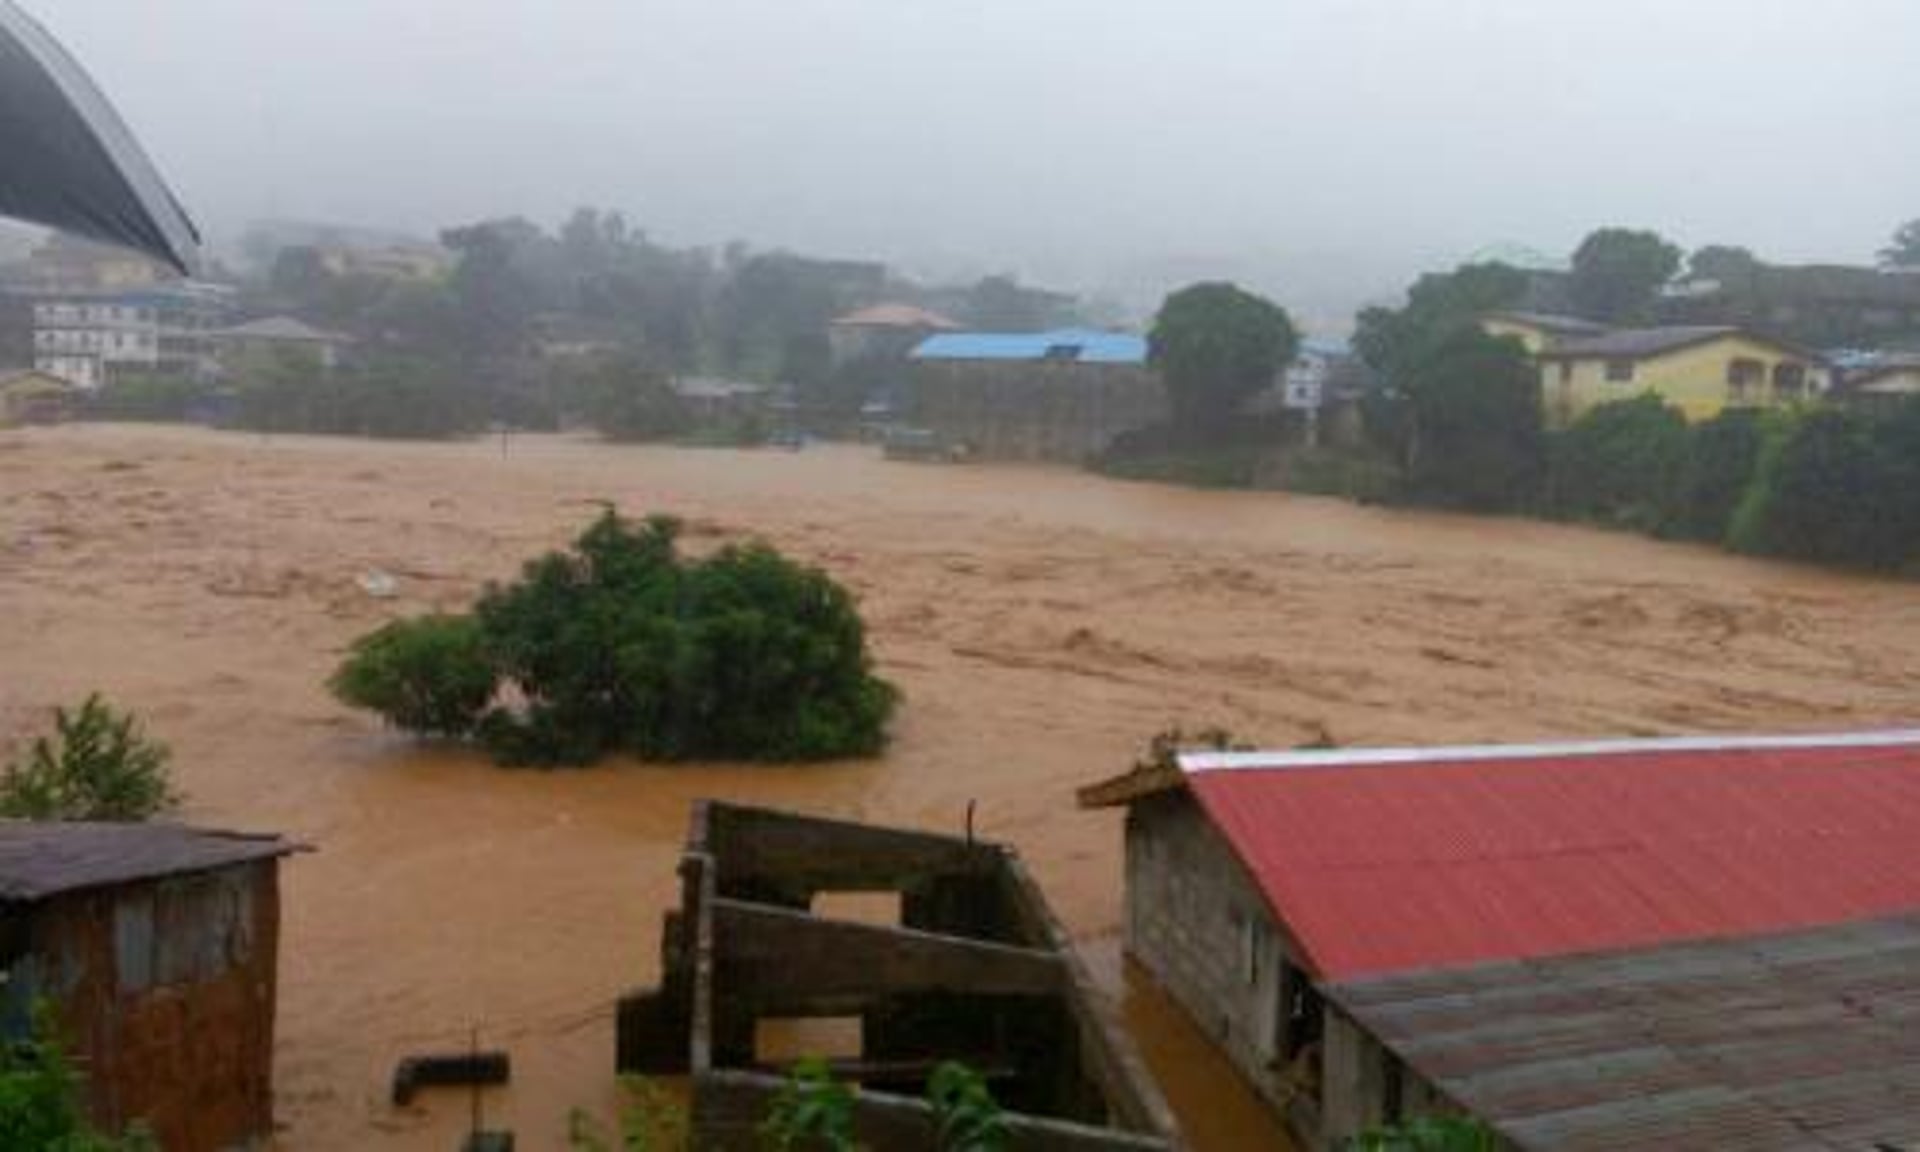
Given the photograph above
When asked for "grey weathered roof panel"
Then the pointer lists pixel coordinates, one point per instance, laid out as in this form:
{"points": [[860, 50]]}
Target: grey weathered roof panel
{"points": [[1802, 1040], [39, 859]]}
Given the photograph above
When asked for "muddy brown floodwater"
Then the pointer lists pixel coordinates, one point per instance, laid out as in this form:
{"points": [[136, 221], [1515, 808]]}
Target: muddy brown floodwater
{"points": [[1041, 622]]}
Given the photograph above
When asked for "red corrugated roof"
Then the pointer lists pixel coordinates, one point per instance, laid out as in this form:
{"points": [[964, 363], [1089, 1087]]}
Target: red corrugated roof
{"points": [[1403, 859]]}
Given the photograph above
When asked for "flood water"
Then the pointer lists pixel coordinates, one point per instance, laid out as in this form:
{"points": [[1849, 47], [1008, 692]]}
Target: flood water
{"points": [[1042, 624]]}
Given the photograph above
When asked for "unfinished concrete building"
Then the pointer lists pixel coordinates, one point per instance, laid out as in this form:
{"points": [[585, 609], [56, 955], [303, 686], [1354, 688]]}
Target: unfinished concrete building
{"points": [[1678, 944], [975, 970]]}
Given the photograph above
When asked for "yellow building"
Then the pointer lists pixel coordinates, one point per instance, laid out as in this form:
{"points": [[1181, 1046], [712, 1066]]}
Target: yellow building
{"points": [[1539, 331], [1700, 370]]}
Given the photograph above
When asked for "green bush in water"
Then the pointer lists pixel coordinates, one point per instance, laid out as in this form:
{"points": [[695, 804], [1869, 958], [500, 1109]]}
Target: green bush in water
{"points": [[622, 644], [432, 675]]}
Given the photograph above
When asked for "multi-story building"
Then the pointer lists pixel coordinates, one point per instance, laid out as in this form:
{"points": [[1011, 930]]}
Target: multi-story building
{"points": [[89, 338]]}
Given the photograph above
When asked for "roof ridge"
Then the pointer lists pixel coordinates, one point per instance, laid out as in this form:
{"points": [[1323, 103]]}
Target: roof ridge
{"points": [[1193, 763]]}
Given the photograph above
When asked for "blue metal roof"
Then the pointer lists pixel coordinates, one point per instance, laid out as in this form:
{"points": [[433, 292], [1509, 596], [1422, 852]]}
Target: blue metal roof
{"points": [[1091, 346]]}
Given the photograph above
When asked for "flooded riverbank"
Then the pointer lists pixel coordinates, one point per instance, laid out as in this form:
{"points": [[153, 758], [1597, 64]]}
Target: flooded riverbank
{"points": [[1041, 623]]}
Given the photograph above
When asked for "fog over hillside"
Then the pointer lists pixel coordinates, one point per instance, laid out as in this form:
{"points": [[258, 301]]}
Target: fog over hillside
{"points": [[1323, 150]]}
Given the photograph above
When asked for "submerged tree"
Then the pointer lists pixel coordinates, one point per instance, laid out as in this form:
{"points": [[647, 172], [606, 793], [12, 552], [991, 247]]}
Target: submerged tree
{"points": [[623, 644]]}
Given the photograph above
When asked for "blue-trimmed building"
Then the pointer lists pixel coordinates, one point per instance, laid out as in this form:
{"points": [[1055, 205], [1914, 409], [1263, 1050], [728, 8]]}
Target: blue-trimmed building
{"points": [[1058, 395]]}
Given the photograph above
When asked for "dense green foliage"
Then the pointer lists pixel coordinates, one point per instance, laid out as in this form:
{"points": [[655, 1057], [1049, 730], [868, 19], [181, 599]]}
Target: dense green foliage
{"points": [[1839, 488], [1216, 346], [1617, 272], [97, 765], [1427, 1134], [40, 1100], [431, 675], [149, 396], [1903, 251], [1620, 464], [627, 398], [623, 644], [1473, 412], [389, 396], [1394, 342], [1721, 457]]}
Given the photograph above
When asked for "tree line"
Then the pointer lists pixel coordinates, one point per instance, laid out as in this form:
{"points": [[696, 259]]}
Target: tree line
{"points": [[535, 328]]}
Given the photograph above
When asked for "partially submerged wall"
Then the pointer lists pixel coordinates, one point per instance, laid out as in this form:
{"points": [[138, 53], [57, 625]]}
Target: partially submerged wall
{"points": [[975, 970]]}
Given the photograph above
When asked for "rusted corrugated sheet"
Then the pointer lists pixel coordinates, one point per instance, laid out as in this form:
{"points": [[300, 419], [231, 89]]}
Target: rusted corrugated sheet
{"points": [[1802, 1041], [1395, 860]]}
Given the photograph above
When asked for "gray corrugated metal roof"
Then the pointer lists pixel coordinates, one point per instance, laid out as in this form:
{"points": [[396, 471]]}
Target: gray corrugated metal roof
{"points": [[1635, 343], [38, 860], [1803, 1040]]}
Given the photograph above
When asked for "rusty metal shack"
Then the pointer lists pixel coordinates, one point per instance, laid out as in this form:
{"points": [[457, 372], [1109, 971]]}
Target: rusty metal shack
{"points": [[976, 969], [156, 945]]}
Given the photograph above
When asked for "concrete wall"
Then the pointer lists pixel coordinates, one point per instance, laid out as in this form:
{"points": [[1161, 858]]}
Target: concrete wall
{"points": [[1034, 410], [1196, 922], [166, 990]]}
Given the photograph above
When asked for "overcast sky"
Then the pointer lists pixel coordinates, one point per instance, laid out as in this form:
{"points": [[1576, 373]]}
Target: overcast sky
{"points": [[1325, 149]]}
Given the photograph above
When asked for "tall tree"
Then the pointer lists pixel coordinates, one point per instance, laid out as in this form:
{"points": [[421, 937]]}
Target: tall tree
{"points": [[1727, 263], [1216, 345], [1474, 436], [1904, 251], [1617, 272], [1394, 341]]}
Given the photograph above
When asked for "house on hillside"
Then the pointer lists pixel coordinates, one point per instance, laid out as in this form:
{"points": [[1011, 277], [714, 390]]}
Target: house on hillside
{"points": [[884, 332], [1698, 370], [157, 945], [92, 338], [30, 396], [1061, 395], [1699, 943], [270, 336], [1881, 382]]}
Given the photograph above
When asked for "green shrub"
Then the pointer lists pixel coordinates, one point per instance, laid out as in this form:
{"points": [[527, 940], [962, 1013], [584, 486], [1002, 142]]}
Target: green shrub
{"points": [[429, 675], [40, 1102], [1721, 458], [1619, 463], [811, 1111], [97, 765], [1830, 489], [649, 1121], [966, 1116], [624, 645]]}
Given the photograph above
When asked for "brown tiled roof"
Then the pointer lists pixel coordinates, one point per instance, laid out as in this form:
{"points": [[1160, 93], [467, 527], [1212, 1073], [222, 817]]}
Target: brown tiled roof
{"points": [[42, 859]]}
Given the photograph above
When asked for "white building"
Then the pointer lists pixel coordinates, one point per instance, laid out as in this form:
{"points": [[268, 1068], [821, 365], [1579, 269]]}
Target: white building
{"points": [[1305, 382], [87, 338]]}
